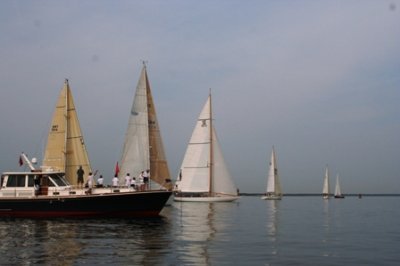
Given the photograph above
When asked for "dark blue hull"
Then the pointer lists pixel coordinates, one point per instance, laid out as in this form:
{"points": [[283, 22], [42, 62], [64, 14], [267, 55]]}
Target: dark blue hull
{"points": [[125, 204]]}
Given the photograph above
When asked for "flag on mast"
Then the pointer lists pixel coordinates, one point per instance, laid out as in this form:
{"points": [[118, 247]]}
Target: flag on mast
{"points": [[116, 170]]}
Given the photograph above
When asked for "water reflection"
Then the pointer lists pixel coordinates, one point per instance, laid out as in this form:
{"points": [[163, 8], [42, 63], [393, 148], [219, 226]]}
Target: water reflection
{"points": [[197, 230], [272, 224], [272, 218], [326, 233], [69, 242]]}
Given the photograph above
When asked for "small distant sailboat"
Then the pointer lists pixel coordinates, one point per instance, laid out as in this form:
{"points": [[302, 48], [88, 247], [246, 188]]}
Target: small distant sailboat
{"points": [[325, 189], [338, 192], [273, 191], [204, 175]]}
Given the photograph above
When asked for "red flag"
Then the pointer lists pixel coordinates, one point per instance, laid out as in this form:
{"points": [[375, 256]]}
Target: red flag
{"points": [[116, 170], [21, 162]]}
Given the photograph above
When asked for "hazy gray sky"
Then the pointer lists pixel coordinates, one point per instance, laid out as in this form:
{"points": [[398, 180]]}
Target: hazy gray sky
{"points": [[319, 80]]}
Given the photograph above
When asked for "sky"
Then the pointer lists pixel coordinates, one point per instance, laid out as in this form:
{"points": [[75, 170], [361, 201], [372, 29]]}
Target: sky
{"points": [[318, 80]]}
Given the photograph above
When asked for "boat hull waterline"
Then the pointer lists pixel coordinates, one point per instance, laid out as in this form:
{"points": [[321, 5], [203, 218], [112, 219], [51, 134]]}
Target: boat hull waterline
{"points": [[205, 199], [126, 204]]}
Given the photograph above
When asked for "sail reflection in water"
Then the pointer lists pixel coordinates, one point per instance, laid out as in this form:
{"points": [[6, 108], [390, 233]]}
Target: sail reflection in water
{"points": [[272, 225], [197, 230]]}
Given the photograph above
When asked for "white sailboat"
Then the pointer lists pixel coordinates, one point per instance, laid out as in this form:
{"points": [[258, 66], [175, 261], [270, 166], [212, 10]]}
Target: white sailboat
{"points": [[65, 150], [143, 148], [273, 191], [338, 192], [325, 188], [204, 175]]}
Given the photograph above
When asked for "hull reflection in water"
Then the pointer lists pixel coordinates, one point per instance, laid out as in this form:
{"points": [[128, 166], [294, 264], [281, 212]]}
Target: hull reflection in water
{"points": [[92, 241]]}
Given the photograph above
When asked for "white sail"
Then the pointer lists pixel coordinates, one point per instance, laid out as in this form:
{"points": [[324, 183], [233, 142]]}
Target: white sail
{"points": [[143, 148], [338, 192], [203, 168], [273, 190], [325, 189], [194, 175], [222, 181]]}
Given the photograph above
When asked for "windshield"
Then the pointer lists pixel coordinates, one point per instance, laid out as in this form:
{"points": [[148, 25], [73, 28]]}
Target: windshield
{"points": [[58, 179]]}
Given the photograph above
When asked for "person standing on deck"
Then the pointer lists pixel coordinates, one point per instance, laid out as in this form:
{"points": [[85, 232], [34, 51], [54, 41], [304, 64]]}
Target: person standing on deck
{"points": [[128, 180], [90, 182], [146, 178], [115, 181], [80, 173], [100, 181], [140, 181]]}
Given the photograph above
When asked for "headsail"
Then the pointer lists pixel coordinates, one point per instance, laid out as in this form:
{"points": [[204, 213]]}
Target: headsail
{"points": [[65, 150], [143, 148]]}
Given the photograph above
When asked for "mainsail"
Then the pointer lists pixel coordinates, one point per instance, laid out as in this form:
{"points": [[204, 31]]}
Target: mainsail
{"points": [[143, 148], [203, 168], [65, 150]]}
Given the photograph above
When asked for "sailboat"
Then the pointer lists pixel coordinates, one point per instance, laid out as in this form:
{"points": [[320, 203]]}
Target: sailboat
{"points": [[65, 150], [273, 191], [143, 147], [325, 188], [204, 176], [338, 192], [50, 192]]}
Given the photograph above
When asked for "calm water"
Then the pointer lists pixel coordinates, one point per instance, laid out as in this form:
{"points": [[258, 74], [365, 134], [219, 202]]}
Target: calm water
{"points": [[294, 231]]}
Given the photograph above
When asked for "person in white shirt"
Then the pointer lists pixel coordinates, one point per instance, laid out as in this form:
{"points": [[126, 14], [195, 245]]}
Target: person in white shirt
{"points": [[90, 180], [100, 181], [115, 181], [128, 180], [140, 181]]}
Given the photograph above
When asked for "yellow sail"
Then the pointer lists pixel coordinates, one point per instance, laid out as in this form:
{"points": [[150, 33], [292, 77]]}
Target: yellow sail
{"points": [[65, 149]]}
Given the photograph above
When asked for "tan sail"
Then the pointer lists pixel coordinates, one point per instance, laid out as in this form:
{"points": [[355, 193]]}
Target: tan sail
{"points": [[65, 149], [143, 147], [159, 170]]}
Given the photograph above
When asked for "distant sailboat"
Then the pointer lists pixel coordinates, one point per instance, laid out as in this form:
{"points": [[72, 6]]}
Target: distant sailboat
{"points": [[65, 150], [273, 191], [204, 175], [338, 192], [325, 189], [143, 148]]}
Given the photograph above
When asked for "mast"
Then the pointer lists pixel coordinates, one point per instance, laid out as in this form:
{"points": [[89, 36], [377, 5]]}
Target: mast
{"points": [[211, 177], [66, 124]]}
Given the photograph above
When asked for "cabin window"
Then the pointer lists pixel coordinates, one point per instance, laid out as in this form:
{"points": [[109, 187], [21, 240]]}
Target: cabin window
{"points": [[16, 181], [31, 181]]}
